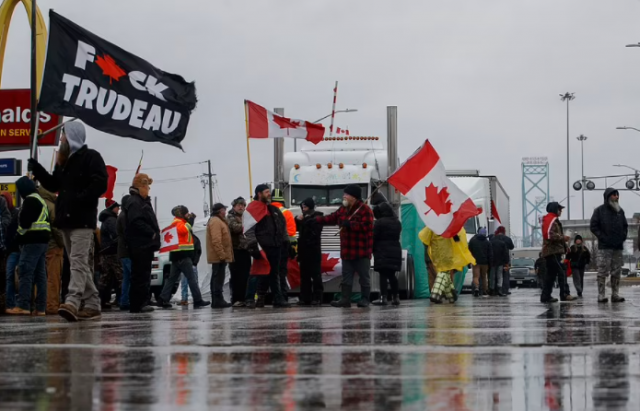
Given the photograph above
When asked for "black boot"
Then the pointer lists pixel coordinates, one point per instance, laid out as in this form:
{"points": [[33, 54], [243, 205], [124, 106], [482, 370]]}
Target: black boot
{"points": [[364, 300], [382, 301], [260, 302], [345, 301], [395, 299]]}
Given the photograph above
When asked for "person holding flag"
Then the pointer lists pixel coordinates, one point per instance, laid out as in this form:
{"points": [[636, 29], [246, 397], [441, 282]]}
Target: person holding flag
{"points": [[266, 234], [80, 177], [355, 219], [177, 239]]}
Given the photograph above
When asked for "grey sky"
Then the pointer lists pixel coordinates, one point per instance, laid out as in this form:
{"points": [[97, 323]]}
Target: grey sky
{"points": [[480, 79]]}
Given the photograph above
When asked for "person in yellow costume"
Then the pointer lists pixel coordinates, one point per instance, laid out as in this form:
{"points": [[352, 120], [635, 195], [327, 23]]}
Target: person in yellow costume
{"points": [[447, 255]]}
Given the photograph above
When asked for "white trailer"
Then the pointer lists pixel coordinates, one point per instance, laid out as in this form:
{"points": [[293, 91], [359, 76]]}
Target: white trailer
{"points": [[323, 171]]}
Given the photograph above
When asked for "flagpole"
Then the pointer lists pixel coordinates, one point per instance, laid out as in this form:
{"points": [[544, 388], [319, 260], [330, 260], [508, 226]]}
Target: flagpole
{"points": [[246, 125], [34, 81], [358, 209]]}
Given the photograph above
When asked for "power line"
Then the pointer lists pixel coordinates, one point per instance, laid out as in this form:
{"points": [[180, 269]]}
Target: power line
{"points": [[161, 167], [168, 180]]}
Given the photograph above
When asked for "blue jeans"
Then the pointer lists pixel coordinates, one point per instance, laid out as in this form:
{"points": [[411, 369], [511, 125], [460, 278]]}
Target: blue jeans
{"points": [[126, 282], [12, 264], [184, 284], [32, 266]]}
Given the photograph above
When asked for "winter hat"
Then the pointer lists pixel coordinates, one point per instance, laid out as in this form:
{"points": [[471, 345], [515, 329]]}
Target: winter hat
{"points": [[141, 180], [217, 207], [239, 200], [110, 204], [554, 207], [309, 203], [501, 230], [180, 211], [260, 188], [25, 186], [577, 237], [354, 191], [76, 135], [482, 231]]}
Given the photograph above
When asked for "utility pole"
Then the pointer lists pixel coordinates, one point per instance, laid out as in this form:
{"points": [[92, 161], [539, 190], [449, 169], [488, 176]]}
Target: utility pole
{"points": [[34, 82], [568, 97], [210, 185], [582, 138]]}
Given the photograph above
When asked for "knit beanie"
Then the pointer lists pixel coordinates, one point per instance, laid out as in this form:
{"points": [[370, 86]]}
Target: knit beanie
{"points": [[354, 191]]}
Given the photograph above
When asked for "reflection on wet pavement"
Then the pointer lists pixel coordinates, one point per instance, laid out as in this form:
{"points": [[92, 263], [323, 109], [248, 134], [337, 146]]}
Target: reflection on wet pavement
{"points": [[480, 354]]}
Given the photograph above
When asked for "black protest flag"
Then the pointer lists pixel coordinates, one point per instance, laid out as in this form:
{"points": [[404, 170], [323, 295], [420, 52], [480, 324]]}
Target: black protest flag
{"points": [[111, 89]]}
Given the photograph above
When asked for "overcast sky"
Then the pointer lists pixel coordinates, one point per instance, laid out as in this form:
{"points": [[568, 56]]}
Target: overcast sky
{"points": [[479, 79]]}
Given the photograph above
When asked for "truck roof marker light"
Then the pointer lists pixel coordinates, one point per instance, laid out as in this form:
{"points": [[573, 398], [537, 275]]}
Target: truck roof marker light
{"points": [[364, 165], [329, 165], [318, 166], [297, 166], [341, 165]]}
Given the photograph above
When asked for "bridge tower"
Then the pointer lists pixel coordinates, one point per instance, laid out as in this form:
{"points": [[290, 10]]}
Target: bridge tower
{"points": [[535, 196]]}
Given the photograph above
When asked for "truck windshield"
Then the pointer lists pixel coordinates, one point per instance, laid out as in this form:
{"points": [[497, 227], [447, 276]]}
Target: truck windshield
{"points": [[322, 195], [470, 226]]}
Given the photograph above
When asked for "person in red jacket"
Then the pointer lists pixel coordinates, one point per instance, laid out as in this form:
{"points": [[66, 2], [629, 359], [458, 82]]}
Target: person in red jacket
{"points": [[355, 219]]}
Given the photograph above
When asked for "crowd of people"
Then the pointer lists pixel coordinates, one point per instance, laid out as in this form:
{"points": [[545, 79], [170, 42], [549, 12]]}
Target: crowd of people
{"points": [[58, 261], [53, 245]]}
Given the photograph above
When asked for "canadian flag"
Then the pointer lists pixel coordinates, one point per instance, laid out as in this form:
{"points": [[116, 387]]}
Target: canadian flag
{"points": [[443, 207], [263, 123], [256, 211], [169, 237]]}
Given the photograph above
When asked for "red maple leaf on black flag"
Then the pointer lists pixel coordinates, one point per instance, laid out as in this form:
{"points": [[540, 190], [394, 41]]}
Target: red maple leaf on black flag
{"points": [[437, 201], [110, 68]]}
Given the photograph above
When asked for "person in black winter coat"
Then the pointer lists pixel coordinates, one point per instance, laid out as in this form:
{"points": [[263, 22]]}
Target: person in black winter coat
{"points": [[387, 251], [480, 249], [609, 225], [111, 273], [310, 254], [143, 240], [579, 257], [80, 177], [499, 260], [501, 234], [270, 233]]}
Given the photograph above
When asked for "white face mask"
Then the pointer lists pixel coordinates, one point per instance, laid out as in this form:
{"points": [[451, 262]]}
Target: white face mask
{"points": [[345, 203]]}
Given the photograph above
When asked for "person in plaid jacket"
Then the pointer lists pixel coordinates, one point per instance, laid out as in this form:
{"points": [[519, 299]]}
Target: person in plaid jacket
{"points": [[355, 219]]}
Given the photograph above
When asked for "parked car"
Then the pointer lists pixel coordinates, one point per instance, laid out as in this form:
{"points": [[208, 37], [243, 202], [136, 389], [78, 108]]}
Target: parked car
{"points": [[523, 272]]}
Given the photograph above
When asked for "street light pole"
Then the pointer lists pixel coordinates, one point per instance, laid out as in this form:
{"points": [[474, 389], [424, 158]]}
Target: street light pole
{"points": [[568, 97], [582, 138]]}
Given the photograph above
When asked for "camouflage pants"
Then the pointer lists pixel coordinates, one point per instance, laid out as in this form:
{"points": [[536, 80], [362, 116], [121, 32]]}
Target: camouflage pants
{"points": [[609, 263], [110, 277]]}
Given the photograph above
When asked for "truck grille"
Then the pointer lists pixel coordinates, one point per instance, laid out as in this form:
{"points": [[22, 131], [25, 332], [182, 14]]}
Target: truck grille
{"points": [[330, 239]]}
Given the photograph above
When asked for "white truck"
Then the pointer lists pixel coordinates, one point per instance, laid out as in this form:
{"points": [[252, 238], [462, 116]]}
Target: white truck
{"points": [[323, 171]]}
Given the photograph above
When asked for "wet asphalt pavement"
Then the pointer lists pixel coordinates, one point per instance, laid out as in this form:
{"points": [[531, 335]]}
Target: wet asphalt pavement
{"points": [[480, 354]]}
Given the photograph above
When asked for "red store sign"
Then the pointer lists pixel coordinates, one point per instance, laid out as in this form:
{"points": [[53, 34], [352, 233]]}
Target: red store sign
{"points": [[15, 118]]}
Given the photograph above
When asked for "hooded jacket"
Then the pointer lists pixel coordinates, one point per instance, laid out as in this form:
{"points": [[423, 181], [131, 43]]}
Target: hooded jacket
{"points": [[579, 256], [309, 231], [608, 225], [481, 249], [108, 232], [142, 231], [552, 233], [79, 182], [499, 250], [219, 243], [29, 213], [387, 251]]}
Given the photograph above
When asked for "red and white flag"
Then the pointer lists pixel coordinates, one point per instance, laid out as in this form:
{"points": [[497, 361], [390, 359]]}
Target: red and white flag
{"points": [[443, 207], [263, 123], [169, 237], [256, 211]]}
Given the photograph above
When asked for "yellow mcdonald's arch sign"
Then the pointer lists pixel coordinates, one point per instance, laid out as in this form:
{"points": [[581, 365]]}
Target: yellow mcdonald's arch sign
{"points": [[6, 12]]}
